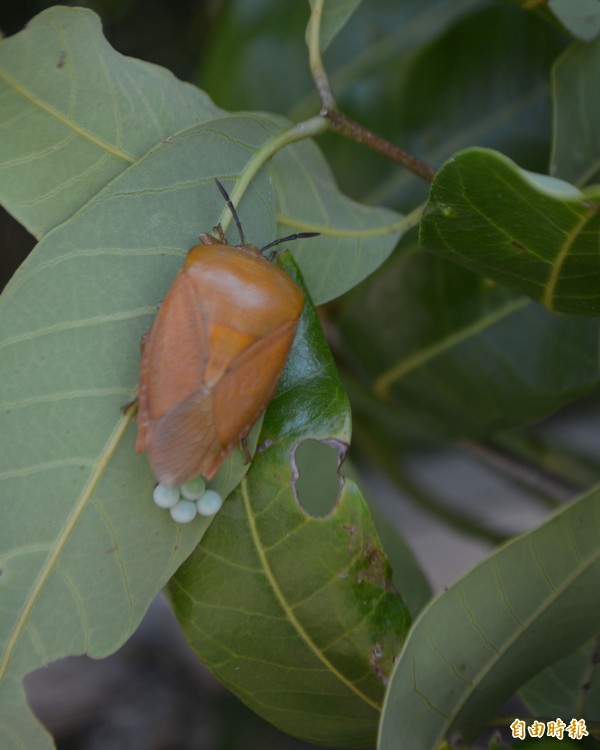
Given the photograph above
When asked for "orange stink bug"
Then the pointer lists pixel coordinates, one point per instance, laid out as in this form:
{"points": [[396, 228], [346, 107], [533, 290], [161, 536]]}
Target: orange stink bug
{"points": [[211, 361]]}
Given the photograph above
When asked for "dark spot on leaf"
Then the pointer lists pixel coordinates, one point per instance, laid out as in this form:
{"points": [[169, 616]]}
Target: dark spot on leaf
{"points": [[375, 568], [375, 663], [62, 57], [518, 246], [264, 446]]}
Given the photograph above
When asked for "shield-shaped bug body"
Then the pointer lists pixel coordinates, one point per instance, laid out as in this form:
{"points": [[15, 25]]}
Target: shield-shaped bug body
{"points": [[212, 359]]}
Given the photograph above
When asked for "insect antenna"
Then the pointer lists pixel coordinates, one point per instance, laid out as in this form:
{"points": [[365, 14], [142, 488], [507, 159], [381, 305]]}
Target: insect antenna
{"points": [[289, 238], [231, 207]]}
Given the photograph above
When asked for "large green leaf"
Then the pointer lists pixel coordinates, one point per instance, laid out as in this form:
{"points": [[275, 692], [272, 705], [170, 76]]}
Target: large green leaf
{"points": [[296, 614], [576, 144], [354, 237], [238, 63], [75, 114], [451, 354], [536, 234], [76, 500], [480, 640]]}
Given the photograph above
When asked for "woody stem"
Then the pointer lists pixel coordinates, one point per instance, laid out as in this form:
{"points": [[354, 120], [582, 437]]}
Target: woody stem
{"points": [[344, 125]]}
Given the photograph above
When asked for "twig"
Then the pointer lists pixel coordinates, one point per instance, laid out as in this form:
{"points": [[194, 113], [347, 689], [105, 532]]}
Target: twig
{"points": [[357, 132], [344, 125]]}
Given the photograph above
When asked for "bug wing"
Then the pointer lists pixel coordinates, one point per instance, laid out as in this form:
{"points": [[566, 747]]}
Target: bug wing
{"points": [[175, 353], [250, 383], [196, 435], [211, 362], [183, 440], [173, 361]]}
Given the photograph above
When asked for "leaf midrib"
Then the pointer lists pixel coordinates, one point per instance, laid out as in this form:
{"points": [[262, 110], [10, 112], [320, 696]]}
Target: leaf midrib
{"points": [[383, 382], [519, 632], [562, 255], [70, 124], [59, 545], [312, 646]]}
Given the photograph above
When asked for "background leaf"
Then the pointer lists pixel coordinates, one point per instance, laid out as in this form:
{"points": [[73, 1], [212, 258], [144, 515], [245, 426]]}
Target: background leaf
{"points": [[335, 16], [237, 62], [318, 482], [296, 614], [452, 354], [500, 624], [576, 143], [537, 235], [390, 71]]}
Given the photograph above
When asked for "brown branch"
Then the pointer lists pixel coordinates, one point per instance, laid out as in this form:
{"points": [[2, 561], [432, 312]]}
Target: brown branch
{"points": [[357, 132], [341, 123]]}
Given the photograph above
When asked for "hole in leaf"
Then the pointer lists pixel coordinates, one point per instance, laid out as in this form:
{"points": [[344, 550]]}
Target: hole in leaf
{"points": [[318, 483]]}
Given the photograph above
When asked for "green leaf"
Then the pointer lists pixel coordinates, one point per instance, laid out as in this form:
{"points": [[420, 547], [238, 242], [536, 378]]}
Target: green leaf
{"points": [[450, 354], [580, 17], [296, 614], [75, 114], [576, 143], [70, 325], [479, 641], [76, 499], [536, 234], [251, 42], [318, 482], [356, 238], [83, 554]]}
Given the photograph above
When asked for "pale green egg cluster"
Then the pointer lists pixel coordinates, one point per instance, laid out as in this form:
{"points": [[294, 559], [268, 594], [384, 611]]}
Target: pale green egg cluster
{"points": [[187, 501]]}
